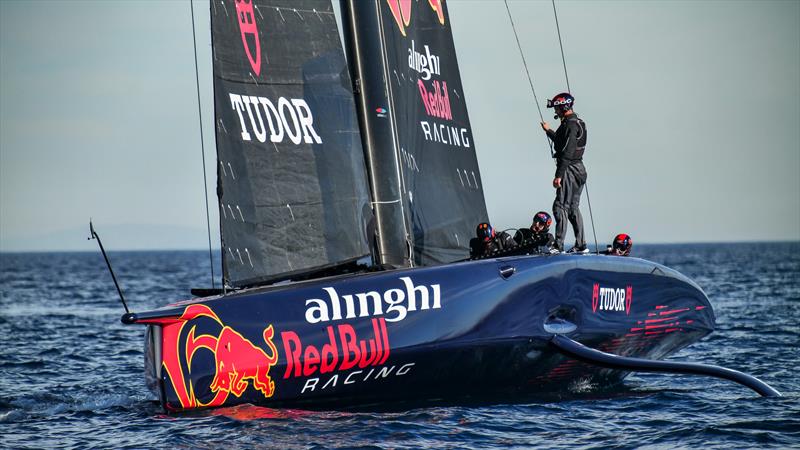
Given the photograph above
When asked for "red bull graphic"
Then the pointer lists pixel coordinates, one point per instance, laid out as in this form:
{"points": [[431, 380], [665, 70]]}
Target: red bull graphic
{"points": [[248, 28], [238, 362], [437, 102], [401, 11], [349, 357], [434, 92], [343, 351]]}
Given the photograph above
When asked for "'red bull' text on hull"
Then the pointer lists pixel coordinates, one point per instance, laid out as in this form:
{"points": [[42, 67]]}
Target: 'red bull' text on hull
{"points": [[472, 330]]}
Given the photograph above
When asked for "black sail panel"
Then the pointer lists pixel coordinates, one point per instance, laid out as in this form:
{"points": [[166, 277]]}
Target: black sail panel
{"points": [[443, 191], [292, 182]]}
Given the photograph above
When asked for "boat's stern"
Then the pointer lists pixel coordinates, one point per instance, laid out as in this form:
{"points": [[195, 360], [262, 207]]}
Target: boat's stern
{"points": [[152, 360]]}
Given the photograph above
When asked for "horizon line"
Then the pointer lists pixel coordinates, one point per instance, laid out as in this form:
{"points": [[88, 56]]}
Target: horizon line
{"points": [[218, 249]]}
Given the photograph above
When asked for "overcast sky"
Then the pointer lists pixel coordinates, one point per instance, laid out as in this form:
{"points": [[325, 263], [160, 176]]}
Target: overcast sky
{"points": [[693, 111]]}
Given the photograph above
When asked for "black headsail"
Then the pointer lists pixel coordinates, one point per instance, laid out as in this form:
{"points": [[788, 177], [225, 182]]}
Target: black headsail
{"points": [[292, 183], [430, 140]]}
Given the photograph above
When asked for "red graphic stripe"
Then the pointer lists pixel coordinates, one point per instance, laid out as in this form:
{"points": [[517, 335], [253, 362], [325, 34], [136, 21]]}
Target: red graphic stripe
{"points": [[663, 319], [673, 311], [652, 327]]}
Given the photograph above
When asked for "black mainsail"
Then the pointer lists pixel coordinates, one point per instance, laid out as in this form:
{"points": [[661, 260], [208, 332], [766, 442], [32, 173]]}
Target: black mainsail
{"points": [[430, 141], [292, 184]]}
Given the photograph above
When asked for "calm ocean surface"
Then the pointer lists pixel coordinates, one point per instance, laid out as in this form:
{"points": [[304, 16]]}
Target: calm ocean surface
{"points": [[71, 375]]}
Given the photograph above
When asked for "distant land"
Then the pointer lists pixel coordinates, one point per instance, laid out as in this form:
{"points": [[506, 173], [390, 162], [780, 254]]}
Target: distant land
{"points": [[167, 237], [114, 237]]}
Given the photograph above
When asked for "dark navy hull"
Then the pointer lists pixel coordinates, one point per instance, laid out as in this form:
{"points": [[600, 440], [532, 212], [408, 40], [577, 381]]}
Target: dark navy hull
{"points": [[476, 329]]}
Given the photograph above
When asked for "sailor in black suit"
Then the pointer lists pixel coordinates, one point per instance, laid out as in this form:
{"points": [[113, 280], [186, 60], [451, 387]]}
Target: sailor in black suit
{"points": [[569, 141], [488, 241], [538, 236]]}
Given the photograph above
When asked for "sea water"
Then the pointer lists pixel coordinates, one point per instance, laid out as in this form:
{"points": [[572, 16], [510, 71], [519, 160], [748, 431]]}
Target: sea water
{"points": [[71, 375]]}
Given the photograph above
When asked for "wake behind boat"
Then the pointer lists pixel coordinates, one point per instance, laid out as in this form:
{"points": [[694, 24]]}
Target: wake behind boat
{"points": [[345, 208]]}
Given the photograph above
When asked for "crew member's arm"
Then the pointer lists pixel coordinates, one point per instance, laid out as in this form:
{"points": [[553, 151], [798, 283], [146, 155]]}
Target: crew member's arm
{"points": [[475, 248], [549, 131]]}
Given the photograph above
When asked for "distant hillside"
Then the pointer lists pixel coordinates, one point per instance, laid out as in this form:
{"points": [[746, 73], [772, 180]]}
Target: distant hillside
{"points": [[115, 237]]}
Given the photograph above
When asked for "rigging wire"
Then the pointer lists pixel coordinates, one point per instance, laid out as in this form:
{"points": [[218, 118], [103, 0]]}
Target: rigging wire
{"points": [[527, 72], [563, 60], [202, 146], [566, 76]]}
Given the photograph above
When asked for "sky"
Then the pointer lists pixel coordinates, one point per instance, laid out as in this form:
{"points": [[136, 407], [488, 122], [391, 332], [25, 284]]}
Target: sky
{"points": [[693, 112]]}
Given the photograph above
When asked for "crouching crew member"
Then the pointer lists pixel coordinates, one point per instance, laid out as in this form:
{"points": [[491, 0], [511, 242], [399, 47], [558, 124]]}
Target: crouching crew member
{"points": [[538, 235], [621, 247], [488, 241]]}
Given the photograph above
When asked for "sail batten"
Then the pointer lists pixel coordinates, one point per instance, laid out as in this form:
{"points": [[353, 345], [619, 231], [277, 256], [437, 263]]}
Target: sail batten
{"points": [[292, 183]]}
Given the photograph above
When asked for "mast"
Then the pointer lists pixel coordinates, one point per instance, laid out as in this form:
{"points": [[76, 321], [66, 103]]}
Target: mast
{"points": [[364, 48], [426, 185]]}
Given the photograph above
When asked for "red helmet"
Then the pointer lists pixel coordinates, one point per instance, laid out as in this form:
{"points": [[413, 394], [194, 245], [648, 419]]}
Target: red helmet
{"points": [[544, 219], [485, 232], [622, 244]]}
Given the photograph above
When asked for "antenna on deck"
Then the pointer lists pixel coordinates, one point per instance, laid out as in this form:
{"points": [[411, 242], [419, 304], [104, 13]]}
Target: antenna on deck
{"points": [[93, 235]]}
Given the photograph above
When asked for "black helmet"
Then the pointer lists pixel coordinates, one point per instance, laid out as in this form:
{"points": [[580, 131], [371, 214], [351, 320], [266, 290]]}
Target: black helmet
{"points": [[542, 218], [622, 244], [563, 101], [485, 232]]}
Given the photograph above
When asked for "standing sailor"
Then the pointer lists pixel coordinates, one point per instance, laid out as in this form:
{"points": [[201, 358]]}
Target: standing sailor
{"points": [[569, 141]]}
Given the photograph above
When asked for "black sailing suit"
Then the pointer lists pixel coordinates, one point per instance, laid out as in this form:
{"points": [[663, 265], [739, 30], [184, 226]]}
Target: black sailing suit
{"points": [[479, 248], [569, 141], [526, 237]]}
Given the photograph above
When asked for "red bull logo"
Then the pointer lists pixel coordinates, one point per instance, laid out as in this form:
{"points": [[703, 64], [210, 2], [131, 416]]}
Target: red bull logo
{"points": [[238, 362], [343, 351], [401, 11]]}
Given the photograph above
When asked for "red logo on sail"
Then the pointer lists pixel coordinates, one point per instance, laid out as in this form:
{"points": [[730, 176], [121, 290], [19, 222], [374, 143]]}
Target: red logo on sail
{"points": [[237, 361], [401, 10], [247, 26]]}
